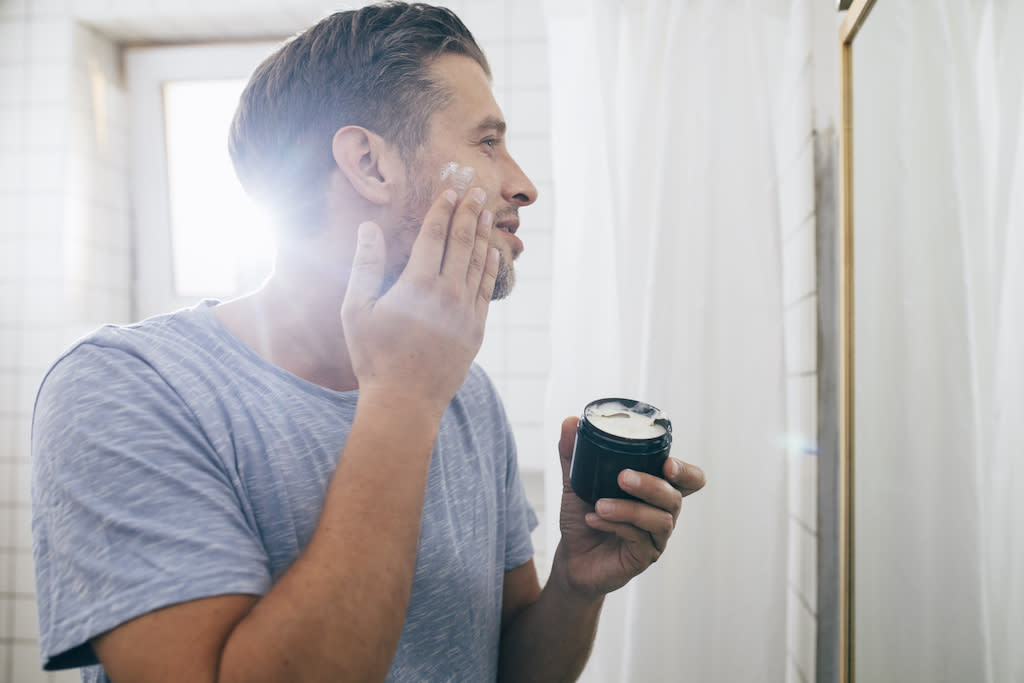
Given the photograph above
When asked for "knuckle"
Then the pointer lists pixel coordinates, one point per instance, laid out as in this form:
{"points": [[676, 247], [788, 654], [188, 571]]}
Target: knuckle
{"points": [[463, 239], [436, 229], [677, 505], [665, 524], [476, 262]]}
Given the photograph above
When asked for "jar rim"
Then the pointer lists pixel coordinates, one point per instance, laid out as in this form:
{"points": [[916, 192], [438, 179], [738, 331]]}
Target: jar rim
{"points": [[630, 443]]}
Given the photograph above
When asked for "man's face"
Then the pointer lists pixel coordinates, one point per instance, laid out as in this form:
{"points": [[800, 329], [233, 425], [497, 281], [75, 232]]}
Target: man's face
{"points": [[469, 132]]}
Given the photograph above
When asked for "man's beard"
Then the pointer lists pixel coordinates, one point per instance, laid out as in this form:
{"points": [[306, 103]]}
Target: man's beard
{"points": [[505, 281]]}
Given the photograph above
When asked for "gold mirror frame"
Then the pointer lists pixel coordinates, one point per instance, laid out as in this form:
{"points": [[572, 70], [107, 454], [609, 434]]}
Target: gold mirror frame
{"points": [[855, 17]]}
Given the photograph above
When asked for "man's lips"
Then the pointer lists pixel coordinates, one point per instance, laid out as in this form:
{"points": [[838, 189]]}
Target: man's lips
{"points": [[509, 226]]}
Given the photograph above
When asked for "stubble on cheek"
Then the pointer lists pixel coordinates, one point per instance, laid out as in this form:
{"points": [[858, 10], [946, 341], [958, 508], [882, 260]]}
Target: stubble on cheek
{"points": [[399, 248]]}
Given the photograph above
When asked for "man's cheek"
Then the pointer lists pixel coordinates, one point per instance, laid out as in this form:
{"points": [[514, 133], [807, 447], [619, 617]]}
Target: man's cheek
{"points": [[456, 177]]}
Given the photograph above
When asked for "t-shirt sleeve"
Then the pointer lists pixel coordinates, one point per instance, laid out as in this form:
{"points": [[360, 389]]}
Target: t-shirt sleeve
{"points": [[133, 508], [520, 516]]}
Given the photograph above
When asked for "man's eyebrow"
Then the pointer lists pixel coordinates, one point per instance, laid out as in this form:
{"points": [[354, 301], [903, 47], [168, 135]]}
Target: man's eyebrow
{"points": [[492, 123]]}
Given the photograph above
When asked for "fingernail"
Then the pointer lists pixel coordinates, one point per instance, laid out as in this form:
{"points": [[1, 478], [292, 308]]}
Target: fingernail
{"points": [[451, 196], [630, 478], [486, 217], [478, 195], [605, 506]]}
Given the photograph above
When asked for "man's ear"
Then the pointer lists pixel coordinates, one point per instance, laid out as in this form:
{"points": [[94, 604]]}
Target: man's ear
{"points": [[368, 162]]}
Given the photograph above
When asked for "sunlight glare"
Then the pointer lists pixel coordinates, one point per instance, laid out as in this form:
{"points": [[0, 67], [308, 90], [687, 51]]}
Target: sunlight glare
{"points": [[220, 239]]}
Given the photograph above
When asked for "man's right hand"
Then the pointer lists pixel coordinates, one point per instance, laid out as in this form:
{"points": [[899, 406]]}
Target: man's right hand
{"points": [[420, 337]]}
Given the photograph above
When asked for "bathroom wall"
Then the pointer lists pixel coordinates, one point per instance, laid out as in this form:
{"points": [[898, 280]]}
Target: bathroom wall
{"points": [[66, 231], [67, 248], [796, 176], [809, 222]]}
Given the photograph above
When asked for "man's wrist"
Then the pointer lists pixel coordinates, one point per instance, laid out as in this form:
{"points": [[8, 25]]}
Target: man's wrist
{"points": [[402, 406], [576, 596]]}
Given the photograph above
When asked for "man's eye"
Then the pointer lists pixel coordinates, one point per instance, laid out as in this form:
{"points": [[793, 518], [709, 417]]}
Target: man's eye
{"points": [[490, 142]]}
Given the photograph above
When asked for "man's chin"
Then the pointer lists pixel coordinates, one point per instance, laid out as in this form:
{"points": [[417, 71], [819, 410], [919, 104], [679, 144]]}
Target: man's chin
{"points": [[504, 282]]}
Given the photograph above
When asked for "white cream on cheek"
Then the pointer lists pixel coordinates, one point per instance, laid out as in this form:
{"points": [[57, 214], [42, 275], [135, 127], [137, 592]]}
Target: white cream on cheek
{"points": [[615, 418], [458, 177]]}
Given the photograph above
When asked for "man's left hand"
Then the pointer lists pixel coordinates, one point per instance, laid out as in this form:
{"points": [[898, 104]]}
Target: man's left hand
{"points": [[608, 544]]}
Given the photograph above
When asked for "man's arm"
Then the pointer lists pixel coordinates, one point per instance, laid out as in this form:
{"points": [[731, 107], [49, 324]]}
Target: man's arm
{"points": [[601, 549], [352, 582], [337, 613], [550, 636]]}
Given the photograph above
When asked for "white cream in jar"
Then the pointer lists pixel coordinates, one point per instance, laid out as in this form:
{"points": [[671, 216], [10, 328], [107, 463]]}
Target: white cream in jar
{"points": [[620, 420]]}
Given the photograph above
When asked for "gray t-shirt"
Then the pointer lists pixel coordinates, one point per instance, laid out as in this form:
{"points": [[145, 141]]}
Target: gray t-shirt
{"points": [[171, 462]]}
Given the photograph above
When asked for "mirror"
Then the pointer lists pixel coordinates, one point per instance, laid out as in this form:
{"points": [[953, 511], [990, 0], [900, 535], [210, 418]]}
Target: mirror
{"points": [[932, 331]]}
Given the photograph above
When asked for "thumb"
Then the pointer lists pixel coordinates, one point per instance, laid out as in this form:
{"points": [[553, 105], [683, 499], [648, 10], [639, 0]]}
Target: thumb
{"points": [[565, 447], [367, 276]]}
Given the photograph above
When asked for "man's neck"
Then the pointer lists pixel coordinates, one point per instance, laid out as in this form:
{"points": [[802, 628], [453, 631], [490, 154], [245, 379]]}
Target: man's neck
{"points": [[294, 322]]}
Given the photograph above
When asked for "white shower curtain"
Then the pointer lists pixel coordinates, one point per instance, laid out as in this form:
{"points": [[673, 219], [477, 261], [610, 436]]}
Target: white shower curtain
{"points": [[667, 288], [939, 217]]}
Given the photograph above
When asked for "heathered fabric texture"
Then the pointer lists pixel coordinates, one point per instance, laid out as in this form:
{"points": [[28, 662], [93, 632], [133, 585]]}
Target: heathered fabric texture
{"points": [[170, 462]]}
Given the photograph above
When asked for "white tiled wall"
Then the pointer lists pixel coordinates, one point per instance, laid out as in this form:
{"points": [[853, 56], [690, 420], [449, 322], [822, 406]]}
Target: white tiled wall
{"points": [[65, 230], [795, 149], [64, 237]]}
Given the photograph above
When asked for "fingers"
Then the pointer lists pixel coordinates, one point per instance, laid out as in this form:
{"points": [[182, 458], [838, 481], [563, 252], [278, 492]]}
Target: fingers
{"points": [[652, 490], [487, 280], [483, 263], [641, 543], [685, 477], [566, 442], [654, 524], [428, 249], [454, 242], [660, 501], [368, 266], [480, 250], [470, 225]]}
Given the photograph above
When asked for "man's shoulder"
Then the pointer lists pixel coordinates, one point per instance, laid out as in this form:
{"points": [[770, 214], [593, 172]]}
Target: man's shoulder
{"points": [[157, 344], [479, 390], [148, 335], [478, 408], [478, 379]]}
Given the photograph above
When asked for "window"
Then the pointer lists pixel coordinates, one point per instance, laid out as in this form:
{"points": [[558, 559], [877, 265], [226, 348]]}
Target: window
{"points": [[197, 233]]}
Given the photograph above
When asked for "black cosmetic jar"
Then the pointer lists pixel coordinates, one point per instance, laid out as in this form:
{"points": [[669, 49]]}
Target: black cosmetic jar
{"points": [[600, 453]]}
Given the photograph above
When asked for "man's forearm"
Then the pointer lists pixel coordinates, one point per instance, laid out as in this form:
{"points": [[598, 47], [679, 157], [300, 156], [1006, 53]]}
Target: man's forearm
{"points": [[551, 639], [337, 613]]}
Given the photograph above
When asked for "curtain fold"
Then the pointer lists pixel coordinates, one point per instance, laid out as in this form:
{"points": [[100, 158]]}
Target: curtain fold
{"points": [[667, 288]]}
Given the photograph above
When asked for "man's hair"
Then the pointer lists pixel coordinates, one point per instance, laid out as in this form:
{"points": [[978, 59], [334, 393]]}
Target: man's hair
{"points": [[367, 67]]}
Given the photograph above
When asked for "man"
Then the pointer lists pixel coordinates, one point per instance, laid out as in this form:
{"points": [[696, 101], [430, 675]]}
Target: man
{"points": [[314, 482]]}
